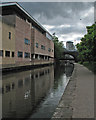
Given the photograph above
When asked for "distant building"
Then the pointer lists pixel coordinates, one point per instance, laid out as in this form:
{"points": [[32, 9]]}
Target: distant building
{"points": [[69, 45], [24, 40]]}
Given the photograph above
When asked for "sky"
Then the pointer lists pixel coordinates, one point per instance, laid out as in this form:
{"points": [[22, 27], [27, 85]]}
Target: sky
{"points": [[67, 19]]}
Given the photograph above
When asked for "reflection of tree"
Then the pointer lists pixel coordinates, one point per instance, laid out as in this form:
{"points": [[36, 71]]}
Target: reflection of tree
{"points": [[69, 70], [59, 71]]}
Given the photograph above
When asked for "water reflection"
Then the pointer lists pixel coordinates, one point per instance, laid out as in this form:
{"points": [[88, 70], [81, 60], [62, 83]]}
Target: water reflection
{"points": [[23, 92]]}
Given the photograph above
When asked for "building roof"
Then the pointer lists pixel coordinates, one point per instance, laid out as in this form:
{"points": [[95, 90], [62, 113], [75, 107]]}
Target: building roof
{"points": [[14, 6], [69, 42]]}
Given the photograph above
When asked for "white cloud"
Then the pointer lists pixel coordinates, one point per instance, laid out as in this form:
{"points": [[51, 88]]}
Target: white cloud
{"points": [[89, 12], [48, 27], [71, 37], [65, 25]]}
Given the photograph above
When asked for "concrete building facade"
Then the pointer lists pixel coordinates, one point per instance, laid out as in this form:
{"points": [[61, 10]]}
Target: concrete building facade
{"points": [[24, 40], [69, 45]]}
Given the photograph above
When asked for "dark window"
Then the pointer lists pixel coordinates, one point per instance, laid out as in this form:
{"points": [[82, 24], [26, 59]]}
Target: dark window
{"points": [[27, 55], [49, 49], [1, 53], [20, 54], [7, 53], [12, 54], [43, 47], [27, 41], [10, 35], [37, 45]]}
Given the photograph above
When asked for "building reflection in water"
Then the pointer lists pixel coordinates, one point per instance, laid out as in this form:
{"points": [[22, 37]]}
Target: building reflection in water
{"points": [[23, 91]]}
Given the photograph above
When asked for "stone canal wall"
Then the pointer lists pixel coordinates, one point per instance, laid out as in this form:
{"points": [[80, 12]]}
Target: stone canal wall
{"points": [[78, 98]]}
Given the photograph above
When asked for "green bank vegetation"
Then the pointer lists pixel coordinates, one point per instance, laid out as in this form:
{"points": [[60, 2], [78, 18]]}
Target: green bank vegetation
{"points": [[87, 48]]}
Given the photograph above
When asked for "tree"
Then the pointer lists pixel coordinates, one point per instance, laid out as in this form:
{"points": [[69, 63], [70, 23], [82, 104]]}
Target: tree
{"points": [[58, 47], [87, 46]]}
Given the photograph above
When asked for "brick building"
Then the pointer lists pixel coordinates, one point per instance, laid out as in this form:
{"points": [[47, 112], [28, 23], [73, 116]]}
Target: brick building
{"points": [[24, 40]]}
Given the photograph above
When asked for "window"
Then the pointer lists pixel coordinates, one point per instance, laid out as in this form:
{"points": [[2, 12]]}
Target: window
{"points": [[52, 50], [10, 35], [43, 47], [1, 53], [27, 41], [49, 49], [12, 54], [37, 45], [20, 54], [27, 55], [7, 53]]}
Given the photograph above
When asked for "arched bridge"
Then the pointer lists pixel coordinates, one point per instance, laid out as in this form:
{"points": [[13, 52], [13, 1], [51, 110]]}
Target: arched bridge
{"points": [[73, 53]]}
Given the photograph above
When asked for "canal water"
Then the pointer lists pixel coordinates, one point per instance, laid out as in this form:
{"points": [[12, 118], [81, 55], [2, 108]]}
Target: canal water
{"points": [[34, 93]]}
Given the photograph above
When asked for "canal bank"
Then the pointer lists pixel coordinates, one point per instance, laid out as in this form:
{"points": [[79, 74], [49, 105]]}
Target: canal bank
{"points": [[78, 98], [23, 68]]}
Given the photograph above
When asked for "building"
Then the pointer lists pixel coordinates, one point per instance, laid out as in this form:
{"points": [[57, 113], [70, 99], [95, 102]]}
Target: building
{"points": [[69, 45], [24, 40]]}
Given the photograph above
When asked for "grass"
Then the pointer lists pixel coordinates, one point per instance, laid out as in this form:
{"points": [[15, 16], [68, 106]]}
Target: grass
{"points": [[91, 66]]}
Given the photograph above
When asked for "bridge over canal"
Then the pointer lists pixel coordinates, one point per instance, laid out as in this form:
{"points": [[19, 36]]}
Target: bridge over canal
{"points": [[73, 53]]}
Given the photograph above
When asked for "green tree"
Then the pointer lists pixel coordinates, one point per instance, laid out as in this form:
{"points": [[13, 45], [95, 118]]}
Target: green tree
{"points": [[58, 47], [87, 46]]}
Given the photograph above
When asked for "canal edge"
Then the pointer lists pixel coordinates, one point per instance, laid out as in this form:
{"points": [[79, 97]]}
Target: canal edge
{"points": [[64, 108]]}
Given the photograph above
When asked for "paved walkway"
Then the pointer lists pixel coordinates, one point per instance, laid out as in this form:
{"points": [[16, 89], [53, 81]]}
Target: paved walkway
{"points": [[78, 98]]}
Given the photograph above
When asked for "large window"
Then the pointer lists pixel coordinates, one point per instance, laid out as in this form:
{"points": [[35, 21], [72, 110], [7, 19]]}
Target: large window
{"points": [[43, 47], [10, 35], [7, 53], [37, 45], [1, 53], [20, 54], [27, 55], [27, 41]]}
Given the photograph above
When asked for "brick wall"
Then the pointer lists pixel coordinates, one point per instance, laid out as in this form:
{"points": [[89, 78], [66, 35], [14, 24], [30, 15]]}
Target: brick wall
{"points": [[41, 39], [22, 31]]}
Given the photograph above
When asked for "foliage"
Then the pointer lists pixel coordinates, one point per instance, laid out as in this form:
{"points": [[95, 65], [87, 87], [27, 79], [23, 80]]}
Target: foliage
{"points": [[87, 46], [91, 66], [58, 47]]}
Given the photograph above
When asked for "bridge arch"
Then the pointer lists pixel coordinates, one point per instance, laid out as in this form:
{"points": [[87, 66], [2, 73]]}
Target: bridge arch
{"points": [[72, 53]]}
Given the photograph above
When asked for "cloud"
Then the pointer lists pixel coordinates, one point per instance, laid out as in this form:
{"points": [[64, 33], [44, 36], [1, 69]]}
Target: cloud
{"points": [[67, 19]]}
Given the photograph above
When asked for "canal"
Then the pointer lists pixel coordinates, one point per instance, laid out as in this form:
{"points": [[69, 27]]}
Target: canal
{"points": [[34, 93]]}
